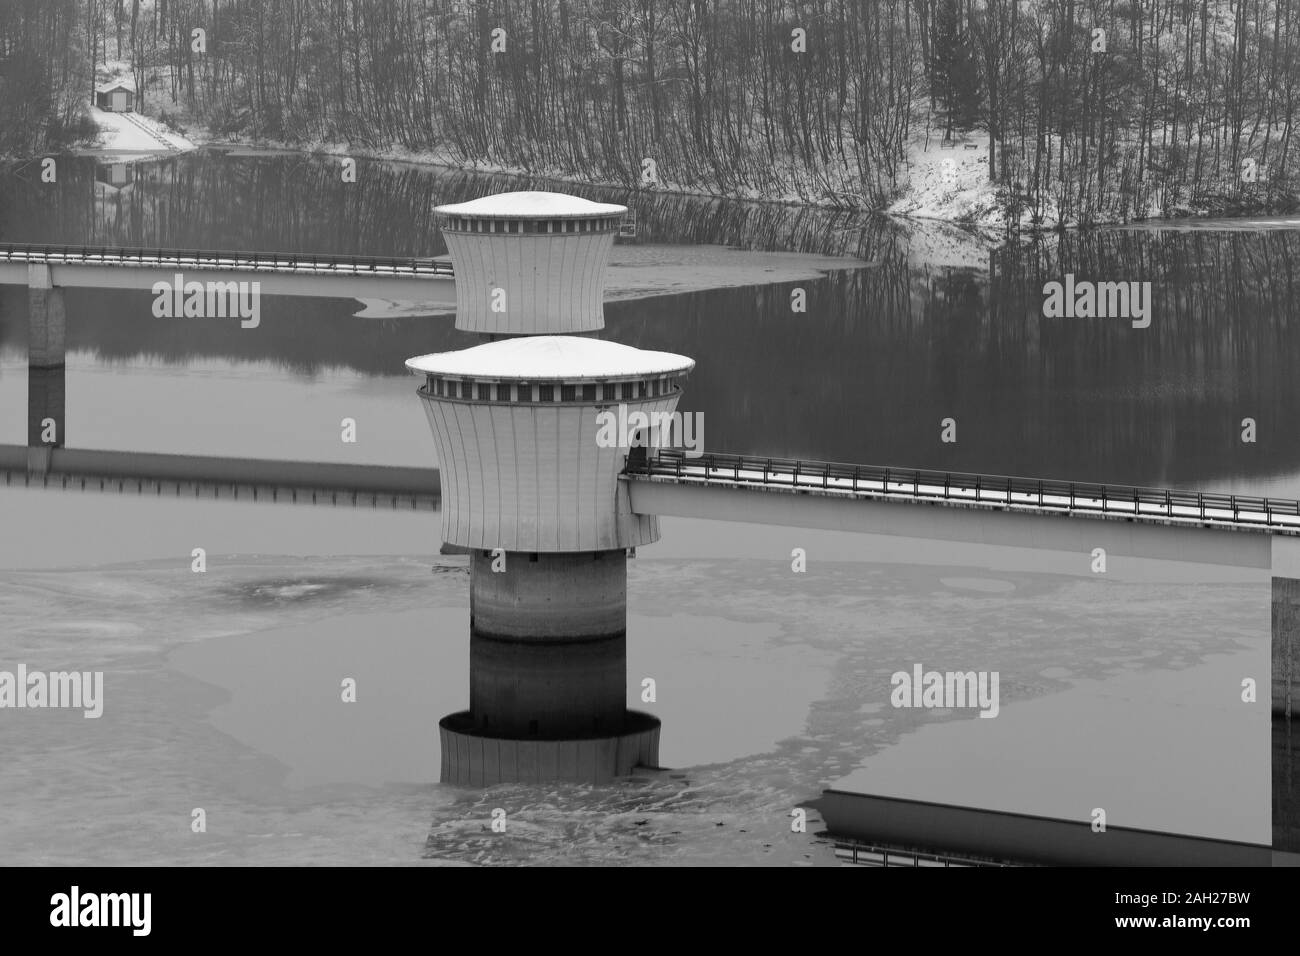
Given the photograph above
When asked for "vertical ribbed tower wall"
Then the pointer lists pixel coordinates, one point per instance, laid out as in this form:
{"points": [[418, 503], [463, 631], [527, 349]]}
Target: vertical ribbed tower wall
{"points": [[552, 282], [529, 489]]}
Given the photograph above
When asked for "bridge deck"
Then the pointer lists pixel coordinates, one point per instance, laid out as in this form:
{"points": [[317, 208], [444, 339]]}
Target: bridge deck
{"points": [[864, 482], [296, 263], [277, 273], [1030, 495]]}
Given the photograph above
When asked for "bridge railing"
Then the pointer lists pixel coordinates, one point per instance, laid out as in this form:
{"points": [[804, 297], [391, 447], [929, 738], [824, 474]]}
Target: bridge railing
{"points": [[997, 490], [223, 259]]}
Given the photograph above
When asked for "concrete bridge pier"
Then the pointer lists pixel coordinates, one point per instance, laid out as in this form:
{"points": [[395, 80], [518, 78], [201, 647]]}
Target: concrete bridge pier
{"points": [[1286, 626], [46, 319], [46, 371], [1286, 693], [46, 407]]}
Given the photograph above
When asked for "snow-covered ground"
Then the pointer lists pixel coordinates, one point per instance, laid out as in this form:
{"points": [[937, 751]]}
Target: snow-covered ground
{"points": [[130, 134], [951, 184]]}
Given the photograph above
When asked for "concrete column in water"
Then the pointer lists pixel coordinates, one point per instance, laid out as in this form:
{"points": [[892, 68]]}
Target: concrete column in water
{"points": [[46, 406], [1285, 695], [46, 320], [548, 673], [1286, 625], [548, 643], [46, 375]]}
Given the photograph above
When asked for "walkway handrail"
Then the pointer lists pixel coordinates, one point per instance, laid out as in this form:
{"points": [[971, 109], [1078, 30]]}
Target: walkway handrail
{"points": [[224, 259], [1002, 491]]}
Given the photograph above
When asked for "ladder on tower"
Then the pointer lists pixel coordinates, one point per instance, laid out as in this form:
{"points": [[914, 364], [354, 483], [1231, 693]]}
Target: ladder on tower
{"points": [[627, 225]]}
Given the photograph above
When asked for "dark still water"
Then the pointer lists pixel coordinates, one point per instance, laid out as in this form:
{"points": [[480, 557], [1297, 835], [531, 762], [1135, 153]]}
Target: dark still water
{"points": [[935, 327]]}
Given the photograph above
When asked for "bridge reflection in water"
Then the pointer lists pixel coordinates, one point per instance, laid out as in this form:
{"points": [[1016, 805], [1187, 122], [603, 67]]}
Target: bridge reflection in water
{"points": [[223, 479], [47, 269]]}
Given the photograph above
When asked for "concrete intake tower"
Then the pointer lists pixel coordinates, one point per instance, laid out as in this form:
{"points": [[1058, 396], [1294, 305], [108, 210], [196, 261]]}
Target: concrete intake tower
{"points": [[534, 494]]}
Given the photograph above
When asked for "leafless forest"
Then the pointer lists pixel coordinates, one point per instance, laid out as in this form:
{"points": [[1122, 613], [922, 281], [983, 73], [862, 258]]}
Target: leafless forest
{"points": [[816, 101]]}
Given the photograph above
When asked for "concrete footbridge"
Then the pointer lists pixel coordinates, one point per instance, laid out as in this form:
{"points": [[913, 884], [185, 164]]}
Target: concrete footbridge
{"points": [[670, 482], [278, 273], [1148, 523], [673, 482], [1232, 530]]}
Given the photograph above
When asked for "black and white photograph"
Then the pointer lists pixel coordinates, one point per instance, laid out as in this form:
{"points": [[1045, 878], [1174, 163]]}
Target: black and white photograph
{"points": [[651, 433]]}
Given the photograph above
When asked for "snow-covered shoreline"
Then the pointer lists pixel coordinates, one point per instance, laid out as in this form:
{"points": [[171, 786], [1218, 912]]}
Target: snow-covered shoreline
{"points": [[134, 135]]}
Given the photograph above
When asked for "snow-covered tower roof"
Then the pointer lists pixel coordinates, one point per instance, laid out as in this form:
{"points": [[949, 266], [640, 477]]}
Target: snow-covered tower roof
{"points": [[517, 425], [530, 263]]}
